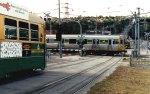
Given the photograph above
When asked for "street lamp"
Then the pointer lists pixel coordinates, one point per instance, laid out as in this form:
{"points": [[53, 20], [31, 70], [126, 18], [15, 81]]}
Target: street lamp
{"points": [[81, 37]]}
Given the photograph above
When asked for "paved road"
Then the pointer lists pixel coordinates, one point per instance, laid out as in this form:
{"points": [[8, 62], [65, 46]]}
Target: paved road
{"points": [[50, 74]]}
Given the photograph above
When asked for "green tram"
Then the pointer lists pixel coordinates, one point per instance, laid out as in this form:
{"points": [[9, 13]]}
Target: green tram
{"points": [[22, 41]]}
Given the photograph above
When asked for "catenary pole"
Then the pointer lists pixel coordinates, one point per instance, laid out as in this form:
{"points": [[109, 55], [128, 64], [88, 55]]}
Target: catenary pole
{"points": [[60, 43], [138, 30]]}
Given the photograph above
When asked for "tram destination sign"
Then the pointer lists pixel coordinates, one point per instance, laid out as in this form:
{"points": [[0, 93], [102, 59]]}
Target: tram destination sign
{"points": [[11, 9]]}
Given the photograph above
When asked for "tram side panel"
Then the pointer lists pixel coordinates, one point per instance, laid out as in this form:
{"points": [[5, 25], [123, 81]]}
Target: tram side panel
{"points": [[20, 56], [17, 54], [110, 44], [33, 56]]}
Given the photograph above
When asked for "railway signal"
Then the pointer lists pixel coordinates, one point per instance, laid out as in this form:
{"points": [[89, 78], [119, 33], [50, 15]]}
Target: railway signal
{"points": [[48, 22]]}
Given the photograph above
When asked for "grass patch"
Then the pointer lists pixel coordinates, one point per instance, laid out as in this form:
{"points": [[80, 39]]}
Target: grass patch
{"points": [[124, 80]]}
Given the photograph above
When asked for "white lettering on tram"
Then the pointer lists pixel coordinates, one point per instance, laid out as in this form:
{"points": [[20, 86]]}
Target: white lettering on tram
{"points": [[10, 49]]}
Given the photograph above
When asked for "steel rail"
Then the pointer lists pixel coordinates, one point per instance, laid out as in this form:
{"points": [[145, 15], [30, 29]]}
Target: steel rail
{"points": [[79, 86], [67, 65], [55, 83]]}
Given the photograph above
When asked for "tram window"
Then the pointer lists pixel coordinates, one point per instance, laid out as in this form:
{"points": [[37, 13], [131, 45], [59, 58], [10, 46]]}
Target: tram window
{"points": [[10, 32], [10, 29], [78, 41], [109, 41], [103, 41], [66, 40], [24, 31], [85, 41], [47, 40], [24, 34], [121, 41], [55, 41], [97, 41], [89, 41], [72, 41], [10, 22], [34, 32], [115, 41], [94, 41], [62, 40]]}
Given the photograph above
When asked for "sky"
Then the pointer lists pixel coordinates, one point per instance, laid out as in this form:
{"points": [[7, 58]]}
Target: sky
{"points": [[86, 7]]}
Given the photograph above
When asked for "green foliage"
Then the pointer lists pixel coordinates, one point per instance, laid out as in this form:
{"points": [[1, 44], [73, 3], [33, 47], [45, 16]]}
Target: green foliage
{"points": [[114, 24]]}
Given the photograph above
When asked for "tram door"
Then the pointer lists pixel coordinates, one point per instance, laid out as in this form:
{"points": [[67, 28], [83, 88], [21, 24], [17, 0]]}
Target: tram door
{"points": [[109, 44], [95, 44]]}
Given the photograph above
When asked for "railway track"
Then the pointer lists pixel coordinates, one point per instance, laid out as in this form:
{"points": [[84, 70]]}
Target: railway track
{"points": [[79, 86], [72, 63], [75, 82]]}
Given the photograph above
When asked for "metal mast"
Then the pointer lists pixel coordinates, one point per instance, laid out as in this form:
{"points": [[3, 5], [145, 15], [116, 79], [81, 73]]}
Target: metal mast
{"points": [[66, 9]]}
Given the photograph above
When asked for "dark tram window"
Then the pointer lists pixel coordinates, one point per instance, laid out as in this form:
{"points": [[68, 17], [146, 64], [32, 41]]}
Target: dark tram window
{"points": [[85, 41], [10, 22], [89, 41], [23, 25], [122, 41], [55, 41], [94, 41], [72, 41], [24, 31], [115, 41], [47, 40], [34, 27], [109, 42], [62, 40], [24, 34], [10, 29], [97, 41], [66, 41], [34, 32]]}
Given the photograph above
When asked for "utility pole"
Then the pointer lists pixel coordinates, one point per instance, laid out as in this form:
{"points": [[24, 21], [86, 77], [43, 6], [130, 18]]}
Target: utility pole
{"points": [[50, 27], [66, 9], [137, 33], [96, 25], [60, 43], [135, 45], [138, 30], [81, 39]]}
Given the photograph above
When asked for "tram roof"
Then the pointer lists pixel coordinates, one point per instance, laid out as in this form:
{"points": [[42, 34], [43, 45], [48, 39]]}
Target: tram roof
{"points": [[35, 18]]}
